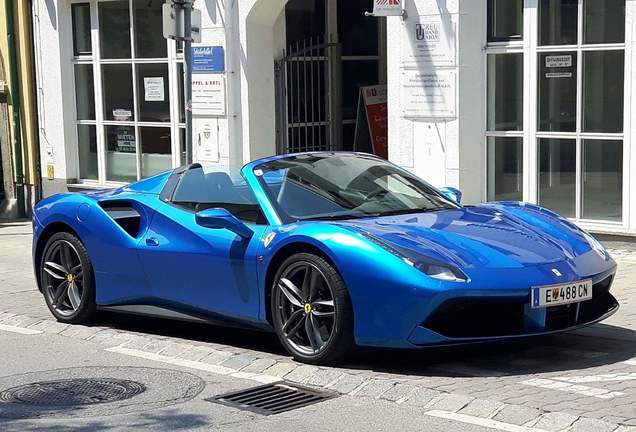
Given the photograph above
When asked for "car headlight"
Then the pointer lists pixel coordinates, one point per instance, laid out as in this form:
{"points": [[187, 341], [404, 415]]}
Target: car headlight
{"points": [[428, 266], [440, 271]]}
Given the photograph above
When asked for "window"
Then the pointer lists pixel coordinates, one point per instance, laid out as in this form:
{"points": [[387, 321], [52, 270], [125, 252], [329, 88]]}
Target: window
{"points": [[603, 91], [566, 115], [581, 89], [81, 19], [114, 29], [128, 126], [505, 92], [505, 160], [505, 20], [557, 175], [604, 21], [558, 22], [557, 91], [602, 179], [505, 101]]}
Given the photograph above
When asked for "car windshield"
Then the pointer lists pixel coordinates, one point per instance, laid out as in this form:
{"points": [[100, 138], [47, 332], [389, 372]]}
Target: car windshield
{"points": [[345, 186]]}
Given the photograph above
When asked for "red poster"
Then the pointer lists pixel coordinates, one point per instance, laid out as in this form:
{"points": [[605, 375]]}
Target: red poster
{"points": [[375, 100]]}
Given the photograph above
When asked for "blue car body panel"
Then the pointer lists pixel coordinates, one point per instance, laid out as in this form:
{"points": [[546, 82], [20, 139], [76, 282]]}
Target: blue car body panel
{"points": [[503, 248]]}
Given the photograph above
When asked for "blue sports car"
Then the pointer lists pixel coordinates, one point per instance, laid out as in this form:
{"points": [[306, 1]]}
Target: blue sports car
{"points": [[329, 250]]}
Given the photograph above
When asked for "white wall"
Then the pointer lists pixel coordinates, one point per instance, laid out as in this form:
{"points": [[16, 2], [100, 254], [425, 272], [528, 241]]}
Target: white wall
{"points": [[216, 28], [445, 151], [259, 33], [471, 92], [55, 92]]}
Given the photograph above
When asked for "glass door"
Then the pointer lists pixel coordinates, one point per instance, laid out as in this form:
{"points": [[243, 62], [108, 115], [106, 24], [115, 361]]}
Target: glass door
{"points": [[580, 83], [555, 104]]}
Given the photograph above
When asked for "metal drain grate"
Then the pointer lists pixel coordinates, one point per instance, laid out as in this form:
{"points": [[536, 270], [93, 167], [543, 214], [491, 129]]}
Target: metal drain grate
{"points": [[72, 392], [272, 398]]}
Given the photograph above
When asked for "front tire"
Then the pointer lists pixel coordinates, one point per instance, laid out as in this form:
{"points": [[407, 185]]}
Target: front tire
{"points": [[311, 310], [66, 275]]}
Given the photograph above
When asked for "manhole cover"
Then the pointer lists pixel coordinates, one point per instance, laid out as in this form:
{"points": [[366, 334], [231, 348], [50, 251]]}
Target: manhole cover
{"points": [[94, 391], [72, 392]]}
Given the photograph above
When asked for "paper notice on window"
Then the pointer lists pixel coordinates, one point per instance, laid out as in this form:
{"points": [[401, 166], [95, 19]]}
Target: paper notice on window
{"points": [[153, 89], [558, 61]]}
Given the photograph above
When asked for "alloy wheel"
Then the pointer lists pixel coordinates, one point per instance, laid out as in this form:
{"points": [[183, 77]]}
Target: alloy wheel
{"points": [[305, 307], [63, 277]]}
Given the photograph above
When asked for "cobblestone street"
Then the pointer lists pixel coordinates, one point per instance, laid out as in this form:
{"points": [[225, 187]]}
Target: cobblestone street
{"points": [[581, 381]]}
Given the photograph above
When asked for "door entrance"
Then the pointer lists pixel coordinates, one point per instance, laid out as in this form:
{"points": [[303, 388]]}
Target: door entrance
{"points": [[333, 50]]}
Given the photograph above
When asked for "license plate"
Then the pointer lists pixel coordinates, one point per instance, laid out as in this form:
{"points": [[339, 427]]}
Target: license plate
{"points": [[555, 295]]}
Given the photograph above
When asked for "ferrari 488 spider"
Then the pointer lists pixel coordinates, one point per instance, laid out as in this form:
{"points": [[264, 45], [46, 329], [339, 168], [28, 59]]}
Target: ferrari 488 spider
{"points": [[329, 250]]}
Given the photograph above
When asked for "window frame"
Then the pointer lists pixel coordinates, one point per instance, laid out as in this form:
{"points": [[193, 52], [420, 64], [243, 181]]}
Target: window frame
{"points": [[490, 23], [172, 60], [531, 50]]}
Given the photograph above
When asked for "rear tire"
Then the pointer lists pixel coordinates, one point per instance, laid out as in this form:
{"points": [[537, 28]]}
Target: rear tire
{"points": [[311, 310], [67, 279]]}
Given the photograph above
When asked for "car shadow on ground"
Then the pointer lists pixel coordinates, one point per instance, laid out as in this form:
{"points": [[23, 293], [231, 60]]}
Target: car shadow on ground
{"points": [[169, 419], [575, 351], [206, 333], [596, 346]]}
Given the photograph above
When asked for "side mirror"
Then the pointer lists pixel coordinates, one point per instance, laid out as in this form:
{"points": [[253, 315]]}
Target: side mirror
{"points": [[218, 218], [452, 194]]}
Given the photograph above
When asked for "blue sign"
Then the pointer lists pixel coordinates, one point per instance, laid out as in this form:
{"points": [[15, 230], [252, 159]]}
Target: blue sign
{"points": [[208, 59]]}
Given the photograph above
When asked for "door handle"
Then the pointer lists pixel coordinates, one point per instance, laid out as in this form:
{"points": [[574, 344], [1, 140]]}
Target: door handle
{"points": [[151, 241]]}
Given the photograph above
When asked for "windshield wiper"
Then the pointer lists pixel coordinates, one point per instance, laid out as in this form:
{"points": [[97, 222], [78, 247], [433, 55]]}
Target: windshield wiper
{"points": [[410, 211], [334, 217]]}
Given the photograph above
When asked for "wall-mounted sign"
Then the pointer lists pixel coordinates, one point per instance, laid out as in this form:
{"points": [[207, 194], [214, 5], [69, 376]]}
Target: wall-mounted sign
{"points": [[558, 61], [429, 94], [208, 95], [382, 8], [121, 114], [430, 40], [207, 141], [207, 59], [173, 22], [153, 89]]}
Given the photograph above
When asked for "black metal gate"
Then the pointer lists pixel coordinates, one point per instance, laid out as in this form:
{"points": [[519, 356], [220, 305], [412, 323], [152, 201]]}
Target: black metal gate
{"points": [[308, 97]]}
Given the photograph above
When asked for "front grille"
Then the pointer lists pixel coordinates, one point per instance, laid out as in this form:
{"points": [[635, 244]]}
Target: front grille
{"points": [[560, 317], [488, 317], [477, 317]]}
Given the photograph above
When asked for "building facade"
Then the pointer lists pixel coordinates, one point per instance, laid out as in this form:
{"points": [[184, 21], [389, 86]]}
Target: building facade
{"points": [[506, 99], [19, 154]]}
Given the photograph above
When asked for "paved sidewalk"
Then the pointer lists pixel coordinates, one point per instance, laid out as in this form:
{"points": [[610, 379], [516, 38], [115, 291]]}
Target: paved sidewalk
{"points": [[582, 381]]}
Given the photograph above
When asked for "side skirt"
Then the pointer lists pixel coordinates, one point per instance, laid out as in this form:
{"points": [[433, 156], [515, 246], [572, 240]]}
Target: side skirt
{"points": [[165, 313]]}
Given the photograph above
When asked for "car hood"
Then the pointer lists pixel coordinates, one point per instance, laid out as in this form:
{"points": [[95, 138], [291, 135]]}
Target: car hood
{"points": [[489, 235]]}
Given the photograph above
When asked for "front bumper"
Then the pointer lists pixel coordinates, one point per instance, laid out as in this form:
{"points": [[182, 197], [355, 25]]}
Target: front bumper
{"points": [[474, 319]]}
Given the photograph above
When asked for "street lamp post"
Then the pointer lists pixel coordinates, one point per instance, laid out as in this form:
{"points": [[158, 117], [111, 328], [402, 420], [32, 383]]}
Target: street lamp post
{"points": [[177, 10], [187, 84]]}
